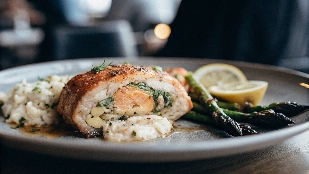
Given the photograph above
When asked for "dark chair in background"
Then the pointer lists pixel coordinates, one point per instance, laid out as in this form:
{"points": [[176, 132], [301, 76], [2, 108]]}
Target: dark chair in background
{"points": [[108, 39]]}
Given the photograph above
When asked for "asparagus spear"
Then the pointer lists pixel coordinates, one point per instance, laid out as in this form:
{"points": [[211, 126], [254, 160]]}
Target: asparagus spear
{"points": [[221, 104], [229, 106], [266, 118], [287, 108], [202, 118], [220, 118]]}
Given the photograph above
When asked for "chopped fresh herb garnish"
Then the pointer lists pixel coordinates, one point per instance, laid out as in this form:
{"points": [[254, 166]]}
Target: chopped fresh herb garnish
{"points": [[106, 102], [110, 123], [134, 133], [37, 89], [157, 68], [21, 122], [123, 118], [42, 79], [100, 67], [47, 105]]}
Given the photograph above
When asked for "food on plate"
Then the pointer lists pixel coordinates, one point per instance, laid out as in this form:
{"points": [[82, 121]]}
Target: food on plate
{"points": [[250, 92], [225, 115], [136, 103], [266, 118], [179, 73], [219, 74], [33, 104], [229, 83], [107, 99], [289, 108], [207, 119], [211, 107], [135, 128], [208, 111]]}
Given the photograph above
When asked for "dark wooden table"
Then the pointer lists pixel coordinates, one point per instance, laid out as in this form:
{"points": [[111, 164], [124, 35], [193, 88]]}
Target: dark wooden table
{"points": [[289, 156]]}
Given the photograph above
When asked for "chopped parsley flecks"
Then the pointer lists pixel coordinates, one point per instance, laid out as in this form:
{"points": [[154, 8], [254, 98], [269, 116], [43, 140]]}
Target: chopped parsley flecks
{"points": [[123, 118], [43, 79], [134, 133], [37, 89], [157, 68], [21, 122], [101, 67], [106, 102]]}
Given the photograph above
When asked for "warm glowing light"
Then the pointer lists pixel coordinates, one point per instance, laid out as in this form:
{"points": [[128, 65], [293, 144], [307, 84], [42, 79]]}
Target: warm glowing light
{"points": [[162, 31], [304, 85]]}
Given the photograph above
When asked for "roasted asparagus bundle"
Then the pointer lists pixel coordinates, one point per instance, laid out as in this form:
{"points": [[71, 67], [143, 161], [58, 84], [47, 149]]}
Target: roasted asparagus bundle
{"points": [[265, 118], [211, 107], [207, 119]]}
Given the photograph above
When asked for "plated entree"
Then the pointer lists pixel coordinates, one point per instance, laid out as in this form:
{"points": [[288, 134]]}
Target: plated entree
{"points": [[136, 103], [119, 102]]}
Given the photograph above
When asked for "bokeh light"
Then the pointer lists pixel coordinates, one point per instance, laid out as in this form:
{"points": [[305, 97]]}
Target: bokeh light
{"points": [[162, 31]]}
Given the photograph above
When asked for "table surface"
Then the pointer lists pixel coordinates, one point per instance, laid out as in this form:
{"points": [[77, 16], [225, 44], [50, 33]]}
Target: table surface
{"points": [[289, 156]]}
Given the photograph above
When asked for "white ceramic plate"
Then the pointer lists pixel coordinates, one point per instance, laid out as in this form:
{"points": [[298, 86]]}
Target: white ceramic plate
{"points": [[284, 85]]}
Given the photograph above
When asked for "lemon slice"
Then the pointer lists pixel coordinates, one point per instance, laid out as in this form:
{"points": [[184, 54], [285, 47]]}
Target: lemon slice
{"points": [[218, 74], [252, 91]]}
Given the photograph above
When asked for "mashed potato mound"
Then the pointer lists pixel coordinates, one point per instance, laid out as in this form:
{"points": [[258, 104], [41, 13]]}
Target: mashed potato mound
{"points": [[34, 104]]}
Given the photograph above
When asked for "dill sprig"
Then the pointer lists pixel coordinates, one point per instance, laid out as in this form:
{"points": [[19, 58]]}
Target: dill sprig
{"points": [[101, 67]]}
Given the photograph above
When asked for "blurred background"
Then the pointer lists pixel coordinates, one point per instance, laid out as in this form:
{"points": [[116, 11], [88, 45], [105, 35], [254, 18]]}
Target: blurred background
{"points": [[271, 32]]}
